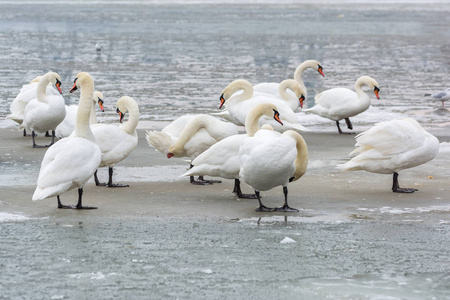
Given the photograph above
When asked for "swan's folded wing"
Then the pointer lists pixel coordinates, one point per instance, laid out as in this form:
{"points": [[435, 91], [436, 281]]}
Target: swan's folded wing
{"points": [[389, 138], [68, 163]]}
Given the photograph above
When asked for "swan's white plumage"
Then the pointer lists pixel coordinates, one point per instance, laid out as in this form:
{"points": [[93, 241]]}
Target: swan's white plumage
{"points": [[267, 160], [26, 94], [239, 105], [71, 161], [46, 111], [392, 146], [273, 88], [340, 103], [222, 158], [117, 142], [67, 126], [189, 136]]}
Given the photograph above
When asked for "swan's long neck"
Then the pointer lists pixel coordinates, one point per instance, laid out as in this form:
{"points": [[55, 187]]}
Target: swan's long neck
{"points": [[130, 126], [92, 115], [41, 89], [82, 128], [190, 130], [251, 122], [301, 161], [363, 97], [238, 85], [252, 119], [298, 74], [293, 86]]}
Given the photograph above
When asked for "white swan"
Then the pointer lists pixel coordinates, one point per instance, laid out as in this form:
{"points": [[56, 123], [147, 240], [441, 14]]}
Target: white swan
{"points": [[272, 87], [269, 159], [342, 103], [26, 94], [188, 136], [117, 142], [67, 126], [72, 161], [391, 146], [222, 158], [239, 105], [46, 111], [441, 96]]}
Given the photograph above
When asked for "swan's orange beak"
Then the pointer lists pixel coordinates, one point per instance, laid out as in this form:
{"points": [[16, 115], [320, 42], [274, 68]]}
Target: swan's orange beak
{"points": [[222, 101], [58, 86], [100, 104], [320, 70], [74, 88], [301, 99], [376, 91], [169, 155], [276, 116], [121, 115]]}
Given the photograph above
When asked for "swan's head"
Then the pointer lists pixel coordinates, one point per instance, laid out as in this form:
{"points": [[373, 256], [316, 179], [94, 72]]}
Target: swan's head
{"points": [[320, 70], [80, 80], [276, 116], [98, 98], [370, 82], [55, 79], [121, 115], [222, 101], [174, 151], [233, 87], [313, 64], [295, 87]]}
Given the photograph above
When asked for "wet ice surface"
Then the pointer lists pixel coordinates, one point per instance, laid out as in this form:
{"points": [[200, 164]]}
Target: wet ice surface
{"points": [[240, 259], [176, 59]]}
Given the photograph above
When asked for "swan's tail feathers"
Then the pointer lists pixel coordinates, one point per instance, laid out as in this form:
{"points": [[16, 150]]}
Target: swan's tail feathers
{"points": [[348, 166], [16, 118], [43, 193], [161, 141]]}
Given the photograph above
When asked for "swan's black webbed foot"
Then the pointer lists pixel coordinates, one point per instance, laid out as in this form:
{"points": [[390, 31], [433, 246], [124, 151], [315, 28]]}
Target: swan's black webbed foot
{"points": [[84, 207], [247, 196], [404, 190], [197, 182], [114, 185], [263, 208], [200, 178], [286, 208]]}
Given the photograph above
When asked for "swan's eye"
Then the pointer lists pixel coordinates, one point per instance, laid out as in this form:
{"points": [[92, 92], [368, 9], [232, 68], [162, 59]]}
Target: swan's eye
{"points": [[376, 89], [118, 111], [75, 81]]}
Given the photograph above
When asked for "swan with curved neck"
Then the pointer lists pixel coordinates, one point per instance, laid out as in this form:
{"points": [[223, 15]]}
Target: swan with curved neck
{"points": [[117, 142], [389, 147], [239, 105], [188, 136], [46, 111], [26, 94], [270, 159], [342, 103], [222, 158], [72, 161], [272, 87], [67, 126]]}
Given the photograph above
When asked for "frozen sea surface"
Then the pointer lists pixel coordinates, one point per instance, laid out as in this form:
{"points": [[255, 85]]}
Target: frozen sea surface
{"points": [[240, 259], [176, 59]]}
